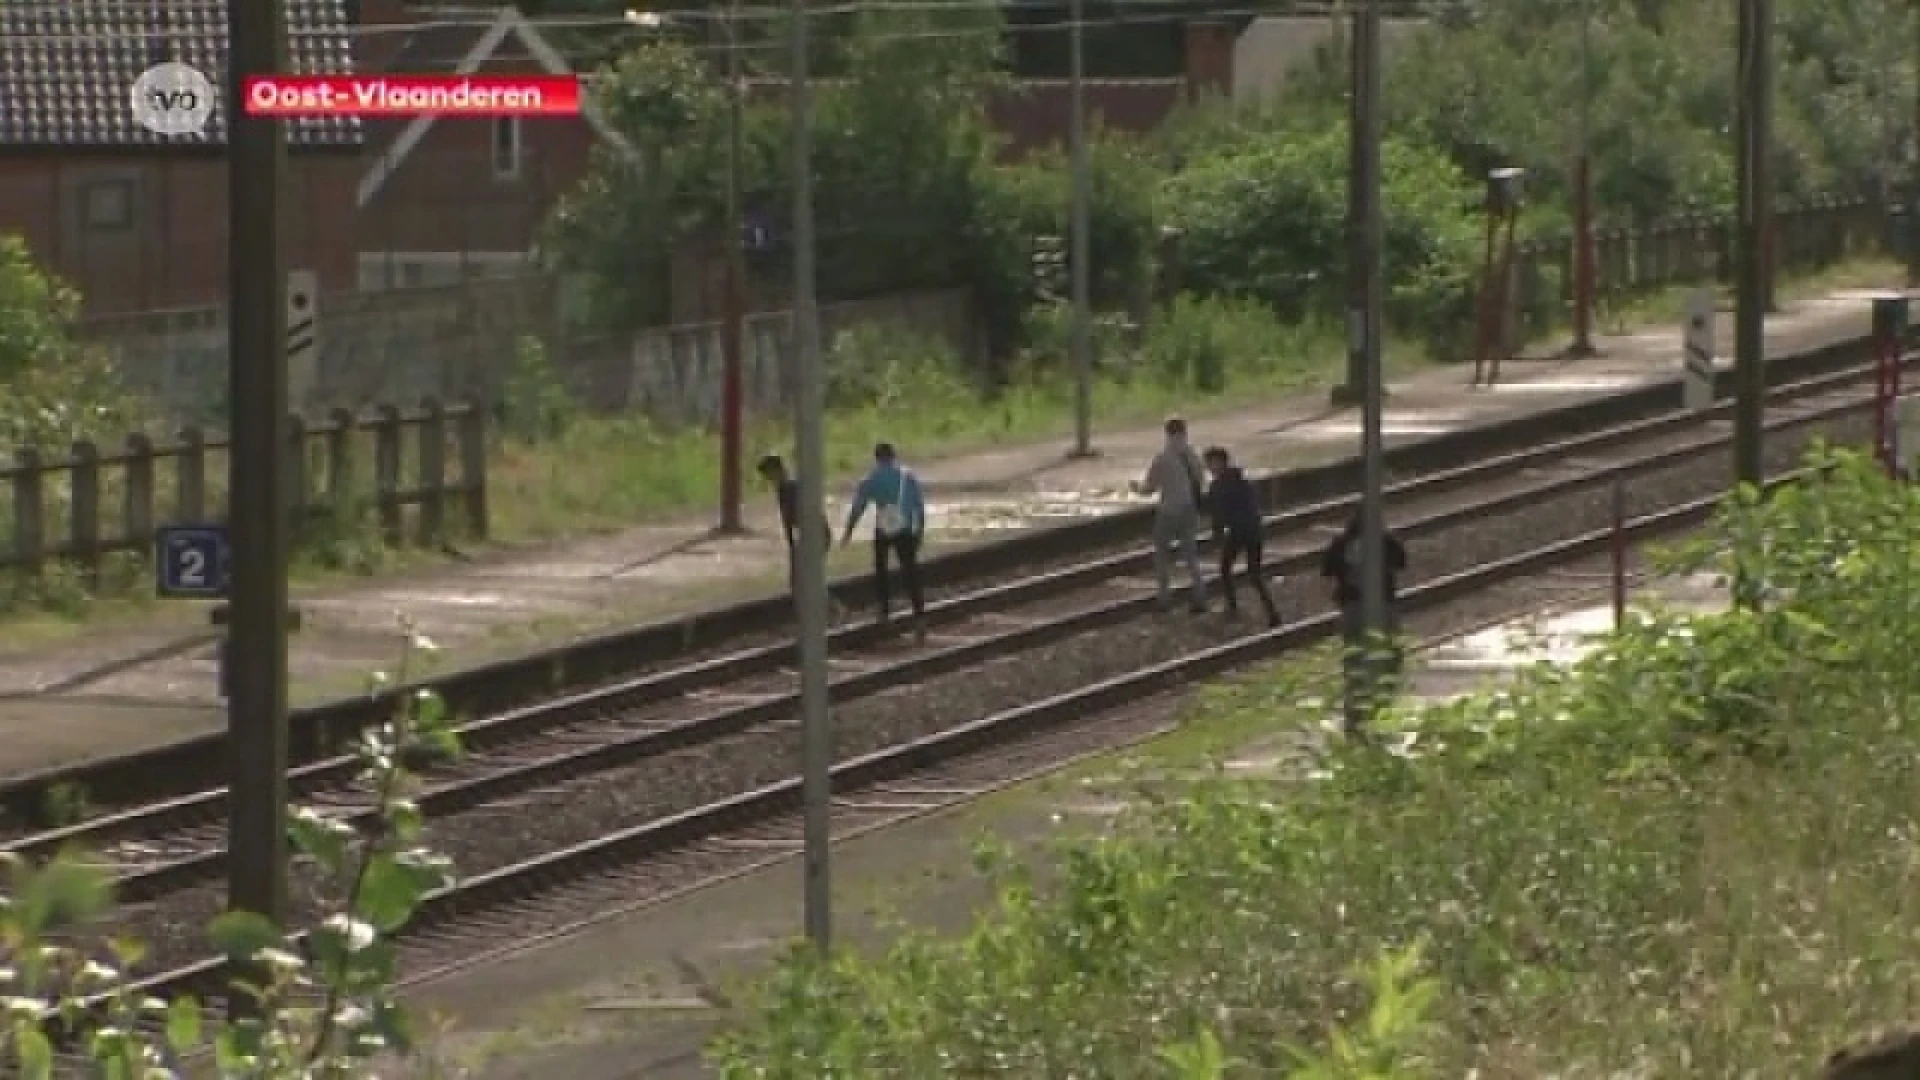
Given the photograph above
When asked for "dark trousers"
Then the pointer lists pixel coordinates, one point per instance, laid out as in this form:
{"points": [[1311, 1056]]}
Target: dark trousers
{"points": [[1252, 547], [906, 548]]}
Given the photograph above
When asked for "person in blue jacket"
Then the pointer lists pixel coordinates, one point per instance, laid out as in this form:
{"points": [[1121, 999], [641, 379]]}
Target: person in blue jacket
{"points": [[899, 526]]}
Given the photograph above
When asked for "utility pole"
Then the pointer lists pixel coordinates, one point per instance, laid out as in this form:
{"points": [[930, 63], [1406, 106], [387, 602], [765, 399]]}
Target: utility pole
{"points": [[257, 516], [1912, 200], [732, 333], [1353, 389], [816, 733], [1755, 194], [1081, 257], [1366, 326], [1583, 255]]}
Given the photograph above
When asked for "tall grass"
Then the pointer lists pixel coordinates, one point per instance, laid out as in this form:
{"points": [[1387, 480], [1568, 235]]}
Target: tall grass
{"points": [[1695, 853]]}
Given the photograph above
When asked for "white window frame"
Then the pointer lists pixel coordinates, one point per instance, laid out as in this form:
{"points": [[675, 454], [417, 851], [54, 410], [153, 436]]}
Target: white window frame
{"points": [[515, 147]]}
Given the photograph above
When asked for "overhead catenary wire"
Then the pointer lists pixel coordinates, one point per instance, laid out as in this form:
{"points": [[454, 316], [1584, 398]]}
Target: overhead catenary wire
{"points": [[770, 18]]}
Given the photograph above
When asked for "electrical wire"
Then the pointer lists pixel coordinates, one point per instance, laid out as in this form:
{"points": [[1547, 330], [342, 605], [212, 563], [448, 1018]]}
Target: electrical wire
{"points": [[745, 17]]}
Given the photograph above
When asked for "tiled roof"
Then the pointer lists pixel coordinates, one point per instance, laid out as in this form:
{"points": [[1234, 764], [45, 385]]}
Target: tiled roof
{"points": [[67, 67]]}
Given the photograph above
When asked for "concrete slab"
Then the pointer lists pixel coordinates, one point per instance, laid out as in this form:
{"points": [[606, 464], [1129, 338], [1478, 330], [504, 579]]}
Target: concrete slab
{"points": [[502, 601]]}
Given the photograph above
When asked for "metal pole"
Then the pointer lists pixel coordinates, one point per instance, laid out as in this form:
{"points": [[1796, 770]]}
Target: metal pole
{"points": [[257, 519], [1353, 389], [732, 347], [1619, 546], [1911, 219], [1583, 256], [1755, 206], [1081, 258], [1371, 325], [811, 581]]}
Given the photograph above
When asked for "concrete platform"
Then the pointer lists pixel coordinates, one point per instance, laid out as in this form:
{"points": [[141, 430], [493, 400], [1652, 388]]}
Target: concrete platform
{"points": [[510, 602], [639, 996]]}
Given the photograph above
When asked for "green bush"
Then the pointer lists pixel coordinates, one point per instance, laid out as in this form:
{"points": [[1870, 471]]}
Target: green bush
{"points": [[325, 1009], [890, 367], [54, 391], [1201, 343], [1022, 204], [1267, 221], [1601, 875]]}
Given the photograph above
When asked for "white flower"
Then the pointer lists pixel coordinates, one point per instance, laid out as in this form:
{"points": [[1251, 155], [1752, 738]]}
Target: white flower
{"points": [[350, 1016], [280, 961], [23, 1007], [354, 933], [419, 642]]}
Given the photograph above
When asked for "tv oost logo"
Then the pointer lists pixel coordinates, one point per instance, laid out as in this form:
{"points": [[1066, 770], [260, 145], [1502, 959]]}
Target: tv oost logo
{"points": [[173, 99]]}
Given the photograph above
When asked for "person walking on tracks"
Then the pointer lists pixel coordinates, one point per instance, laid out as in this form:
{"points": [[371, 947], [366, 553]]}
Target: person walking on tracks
{"points": [[1237, 528], [1343, 562], [1174, 476], [899, 526]]}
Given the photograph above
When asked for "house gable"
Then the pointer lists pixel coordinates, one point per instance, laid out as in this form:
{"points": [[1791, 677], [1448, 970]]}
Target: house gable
{"points": [[510, 25]]}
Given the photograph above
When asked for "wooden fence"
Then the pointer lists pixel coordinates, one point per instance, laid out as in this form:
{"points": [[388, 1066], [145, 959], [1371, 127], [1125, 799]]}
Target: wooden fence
{"points": [[1692, 250], [92, 501]]}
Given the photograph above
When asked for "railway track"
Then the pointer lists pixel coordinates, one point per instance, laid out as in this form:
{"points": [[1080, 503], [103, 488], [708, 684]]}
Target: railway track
{"points": [[662, 749], [158, 848], [694, 652], [541, 899]]}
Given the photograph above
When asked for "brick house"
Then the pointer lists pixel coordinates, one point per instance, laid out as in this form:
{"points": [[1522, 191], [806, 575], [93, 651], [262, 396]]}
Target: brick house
{"points": [[444, 198], [136, 220]]}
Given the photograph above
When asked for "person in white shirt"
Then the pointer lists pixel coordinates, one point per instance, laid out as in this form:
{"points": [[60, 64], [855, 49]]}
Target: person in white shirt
{"points": [[1175, 475]]}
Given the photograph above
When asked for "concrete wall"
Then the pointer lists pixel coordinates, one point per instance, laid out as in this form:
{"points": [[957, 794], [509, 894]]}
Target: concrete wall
{"points": [[459, 342]]}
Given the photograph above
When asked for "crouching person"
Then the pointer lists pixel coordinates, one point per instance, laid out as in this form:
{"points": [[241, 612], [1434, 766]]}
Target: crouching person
{"points": [[1370, 667]]}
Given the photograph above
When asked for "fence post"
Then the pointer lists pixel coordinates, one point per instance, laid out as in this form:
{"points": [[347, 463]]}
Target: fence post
{"points": [[29, 511], [340, 427], [432, 523], [473, 467], [84, 528], [386, 472], [139, 496], [297, 497], [191, 464]]}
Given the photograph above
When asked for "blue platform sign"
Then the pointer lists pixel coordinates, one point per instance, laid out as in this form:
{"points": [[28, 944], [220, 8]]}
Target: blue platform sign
{"points": [[191, 562]]}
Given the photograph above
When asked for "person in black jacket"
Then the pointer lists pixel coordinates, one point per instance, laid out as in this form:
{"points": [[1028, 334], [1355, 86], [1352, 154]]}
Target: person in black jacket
{"points": [[1237, 528], [786, 492], [1343, 561]]}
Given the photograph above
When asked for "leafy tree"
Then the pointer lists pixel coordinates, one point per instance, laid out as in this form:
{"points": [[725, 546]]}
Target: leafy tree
{"points": [[1267, 221], [54, 391]]}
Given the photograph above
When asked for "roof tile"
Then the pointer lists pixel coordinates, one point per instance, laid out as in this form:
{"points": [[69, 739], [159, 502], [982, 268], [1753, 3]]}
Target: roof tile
{"points": [[67, 67]]}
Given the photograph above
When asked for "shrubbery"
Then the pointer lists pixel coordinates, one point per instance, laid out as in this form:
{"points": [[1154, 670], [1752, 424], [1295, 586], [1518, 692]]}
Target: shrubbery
{"points": [[1265, 219], [323, 1004], [53, 391], [911, 194], [1687, 855]]}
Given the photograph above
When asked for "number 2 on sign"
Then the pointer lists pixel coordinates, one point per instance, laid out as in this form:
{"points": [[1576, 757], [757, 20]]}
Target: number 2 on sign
{"points": [[193, 568]]}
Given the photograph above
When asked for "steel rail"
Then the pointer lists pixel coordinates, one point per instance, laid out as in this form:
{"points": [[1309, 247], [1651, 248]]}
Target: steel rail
{"points": [[643, 741], [530, 879], [321, 732]]}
